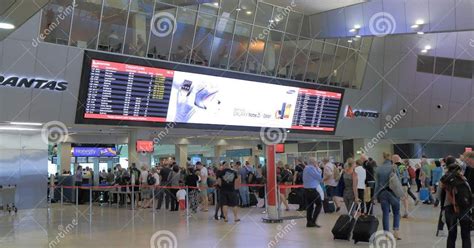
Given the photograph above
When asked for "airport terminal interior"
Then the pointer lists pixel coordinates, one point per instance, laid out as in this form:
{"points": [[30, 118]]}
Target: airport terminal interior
{"points": [[122, 124]]}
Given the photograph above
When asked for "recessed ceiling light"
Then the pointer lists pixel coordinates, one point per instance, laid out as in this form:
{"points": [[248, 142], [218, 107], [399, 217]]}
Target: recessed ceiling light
{"points": [[424, 51], [358, 36], [420, 32], [350, 41], [271, 21], [352, 30], [216, 4], [4, 25], [357, 26], [415, 26], [419, 22], [427, 47], [248, 12], [238, 9]]}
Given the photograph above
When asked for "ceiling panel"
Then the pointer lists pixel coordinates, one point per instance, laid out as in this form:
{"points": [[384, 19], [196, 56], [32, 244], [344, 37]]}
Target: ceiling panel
{"points": [[314, 6], [18, 12]]}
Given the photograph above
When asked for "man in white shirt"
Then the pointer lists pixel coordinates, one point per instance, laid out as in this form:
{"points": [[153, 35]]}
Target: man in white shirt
{"points": [[361, 175], [331, 178], [203, 186]]}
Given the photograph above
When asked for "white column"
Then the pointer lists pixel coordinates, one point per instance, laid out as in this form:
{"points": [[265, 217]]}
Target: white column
{"points": [[64, 158]]}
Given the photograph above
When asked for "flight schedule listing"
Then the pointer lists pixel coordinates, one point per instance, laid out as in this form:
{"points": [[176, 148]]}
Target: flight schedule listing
{"points": [[119, 91], [316, 110]]}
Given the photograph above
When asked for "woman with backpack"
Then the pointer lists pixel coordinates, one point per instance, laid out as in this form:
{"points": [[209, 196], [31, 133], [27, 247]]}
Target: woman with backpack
{"points": [[456, 200]]}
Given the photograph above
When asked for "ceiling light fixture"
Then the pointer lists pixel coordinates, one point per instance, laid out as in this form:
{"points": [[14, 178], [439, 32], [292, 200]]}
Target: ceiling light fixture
{"points": [[420, 32], [26, 123], [216, 4], [238, 9], [350, 41], [4, 25], [358, 36], [424, 51], [18, 129], [248, 12], [427, 47]]}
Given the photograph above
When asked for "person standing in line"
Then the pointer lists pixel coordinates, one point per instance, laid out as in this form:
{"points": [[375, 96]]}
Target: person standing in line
{"points": [[361, 176], [218, 193], [203, 173], [192, 181], [411, 180], [181, 198], [174, 178], [298, 180], [456, 199], [369, 165], [386, 197], [436, 175], [425, 177], [312, 177], [331, 177], [78, 183], [243, 190], [350, 194], [229, 180], [164, 193], [418, 177], [144, 189]]}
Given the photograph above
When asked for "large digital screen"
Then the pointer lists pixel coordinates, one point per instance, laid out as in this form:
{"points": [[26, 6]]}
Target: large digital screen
{"points": [[132, 93]]}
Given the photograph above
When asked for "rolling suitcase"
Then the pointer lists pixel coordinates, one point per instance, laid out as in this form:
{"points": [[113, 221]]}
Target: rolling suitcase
{"points": [[365, 227], [424, 194], [345, 224]]}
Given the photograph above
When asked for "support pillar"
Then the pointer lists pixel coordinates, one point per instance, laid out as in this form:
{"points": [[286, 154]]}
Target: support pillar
{"points": [[218, 151], [64, 158], [273, 216], [181, 151]]}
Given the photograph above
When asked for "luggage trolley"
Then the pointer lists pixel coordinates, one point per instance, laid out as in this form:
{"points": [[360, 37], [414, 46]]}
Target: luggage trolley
{"points": [[7, 198]]}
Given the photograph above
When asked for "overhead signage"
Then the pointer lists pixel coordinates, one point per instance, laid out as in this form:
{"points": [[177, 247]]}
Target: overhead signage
{"points": [[359, 113], [32, 83], [93, 152]]}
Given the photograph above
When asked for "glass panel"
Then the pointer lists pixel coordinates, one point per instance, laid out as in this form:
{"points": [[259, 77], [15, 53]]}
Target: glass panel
{"points": [[314, 62], [187, 4], [301, 59], [112, 30], [138, 29], [203, 39], [361, 62], [463, 68], [305, 28], [162, 33], [339, 62], [247, 12], [280, 15], [240, 47], [183, 38], [287, 56], [272, 53], [444, 66], [229, 9], [349, 69], [425, 64], [327, 62], [85, 25], [222, 43], [255, 53], [264, 15], [56, 22], [294, 23], [209, 8]]}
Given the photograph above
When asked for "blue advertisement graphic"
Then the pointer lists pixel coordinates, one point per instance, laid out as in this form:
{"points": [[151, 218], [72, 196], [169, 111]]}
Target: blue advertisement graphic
{"points": [[94, 152]]}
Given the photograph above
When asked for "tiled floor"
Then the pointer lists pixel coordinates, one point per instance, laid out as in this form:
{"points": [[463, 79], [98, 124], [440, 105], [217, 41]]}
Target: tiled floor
{"points": [[111, 227]]}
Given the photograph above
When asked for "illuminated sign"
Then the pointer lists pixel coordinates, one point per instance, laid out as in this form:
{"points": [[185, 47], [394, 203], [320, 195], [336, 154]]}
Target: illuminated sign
{"points": [[358, 113], [32, 83]]}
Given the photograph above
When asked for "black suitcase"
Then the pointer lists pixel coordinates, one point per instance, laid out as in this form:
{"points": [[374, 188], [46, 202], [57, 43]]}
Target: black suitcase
{"points": [[345, 225], [329, 206], [365, 227], [253, 200], [294, 197]]}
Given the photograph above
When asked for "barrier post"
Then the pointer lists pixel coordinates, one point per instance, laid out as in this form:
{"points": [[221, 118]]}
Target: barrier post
{"points": [[77, 197], [62, 193], [265, 197], [153, 198], [133, 197], [187, 204], [90, 198]]}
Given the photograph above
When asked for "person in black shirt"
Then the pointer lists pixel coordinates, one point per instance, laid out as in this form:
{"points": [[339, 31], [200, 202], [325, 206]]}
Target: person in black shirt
{"points": [[369, 165], [228, 181], [164, 193], [192, 180], [469, 171], [299, 181], [218, 201]]}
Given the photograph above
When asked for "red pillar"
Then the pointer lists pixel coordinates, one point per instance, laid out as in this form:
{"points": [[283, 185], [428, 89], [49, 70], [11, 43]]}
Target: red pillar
{"points": [[271, 186]]}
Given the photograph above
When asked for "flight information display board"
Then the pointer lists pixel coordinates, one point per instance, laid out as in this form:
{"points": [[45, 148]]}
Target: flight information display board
{"points": [[129, 93]]}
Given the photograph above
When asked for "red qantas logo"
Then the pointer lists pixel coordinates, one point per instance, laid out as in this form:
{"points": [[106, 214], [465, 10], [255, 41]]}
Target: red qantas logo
{"points": [[351, 114]]}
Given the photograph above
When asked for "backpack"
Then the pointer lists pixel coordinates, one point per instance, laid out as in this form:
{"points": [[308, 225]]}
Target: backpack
{"points": [[336, 173], [150, 180], [458, 192], [287, 176]]}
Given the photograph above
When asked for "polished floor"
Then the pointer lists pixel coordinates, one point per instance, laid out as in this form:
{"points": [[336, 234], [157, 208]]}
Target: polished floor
{"points": [[66, 226]]}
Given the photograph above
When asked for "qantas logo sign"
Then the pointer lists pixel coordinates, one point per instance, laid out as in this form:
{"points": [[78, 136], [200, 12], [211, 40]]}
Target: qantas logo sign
{"points": [[357, 113], [32, 83]]}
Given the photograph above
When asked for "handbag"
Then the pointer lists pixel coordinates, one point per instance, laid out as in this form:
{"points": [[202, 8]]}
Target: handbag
{"points": [[395, 185], [340, 186]]}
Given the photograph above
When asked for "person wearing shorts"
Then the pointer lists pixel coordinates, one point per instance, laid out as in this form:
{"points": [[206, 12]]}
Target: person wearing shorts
{"points": [[229, 181], [203, 186]]}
